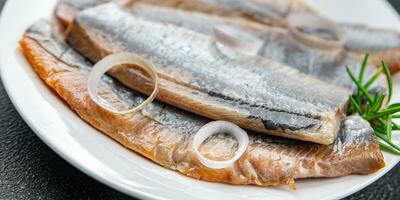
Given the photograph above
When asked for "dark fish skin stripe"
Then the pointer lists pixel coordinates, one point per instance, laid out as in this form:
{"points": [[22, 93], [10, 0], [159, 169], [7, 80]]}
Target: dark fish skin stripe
{"points": [[280, 123], [280, 116]]}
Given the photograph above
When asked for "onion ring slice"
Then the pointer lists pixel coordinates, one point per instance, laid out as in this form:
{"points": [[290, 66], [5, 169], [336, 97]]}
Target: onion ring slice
{"points": [[110, 61], [237, 39], [220, 127], [302, 20]]}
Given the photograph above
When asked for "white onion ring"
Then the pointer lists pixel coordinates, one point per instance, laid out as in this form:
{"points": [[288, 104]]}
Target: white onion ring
{"points": [[298, 20], [110, 61], [220, 127], [237, 39]]}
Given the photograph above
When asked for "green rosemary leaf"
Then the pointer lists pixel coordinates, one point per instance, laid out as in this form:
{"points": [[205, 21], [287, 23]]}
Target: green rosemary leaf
{"points": [[389, 128], [356, 106], [376, 96], [369, 108], [378, 103], [350, 109], [379, 116], [373, 78], [389, 111], [379, 129], [380, 135], [382, 113], [389, 80], [388, 141], [379, 125], [396, 127], [363, 66], [395, 105], [386, 147], [357, 96], [360, 87]]}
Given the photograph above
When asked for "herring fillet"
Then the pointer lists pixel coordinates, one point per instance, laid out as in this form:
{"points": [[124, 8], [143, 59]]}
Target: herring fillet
{"points": [[164, 134], [67, 9], [211, 80], [382, 44], [325, 65]]}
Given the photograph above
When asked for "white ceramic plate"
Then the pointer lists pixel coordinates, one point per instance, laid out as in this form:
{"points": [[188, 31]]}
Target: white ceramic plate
{"points": [[107, 161]]}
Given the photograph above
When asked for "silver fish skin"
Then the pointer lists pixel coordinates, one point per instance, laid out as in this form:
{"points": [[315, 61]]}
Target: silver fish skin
{"points": [[356, 42], [381, 44], [266, 11], [359, 35], [325, 65], [214, 81], [270, 10], [164, 134]]}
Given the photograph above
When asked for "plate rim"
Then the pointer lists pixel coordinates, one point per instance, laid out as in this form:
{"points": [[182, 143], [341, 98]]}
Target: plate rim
{"points": [[132, 191]]}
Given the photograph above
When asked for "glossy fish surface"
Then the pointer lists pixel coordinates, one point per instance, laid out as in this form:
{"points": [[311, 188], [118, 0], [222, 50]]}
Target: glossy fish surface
{"points": [[384, 45], [326, 65], [203, 77], [164, 134], [266, 11], [381, 44], [322, 64], [66, 10], [269, 12]]}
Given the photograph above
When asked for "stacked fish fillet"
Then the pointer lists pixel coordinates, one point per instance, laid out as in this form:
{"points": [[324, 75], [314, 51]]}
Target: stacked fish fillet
{"points": [[291, 96]]}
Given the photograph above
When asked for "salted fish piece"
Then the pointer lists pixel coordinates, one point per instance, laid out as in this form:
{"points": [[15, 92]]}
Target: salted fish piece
{"points": [[200, 76], [320, 63], [277, 44], [266, 11], [164, 134], [382, 44]]}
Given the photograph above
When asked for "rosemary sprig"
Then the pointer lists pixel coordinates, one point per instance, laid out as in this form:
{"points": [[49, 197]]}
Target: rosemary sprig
{"points": [[374, 108]]}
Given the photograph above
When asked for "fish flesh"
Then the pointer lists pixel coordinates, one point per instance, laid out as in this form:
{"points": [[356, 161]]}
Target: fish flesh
{"points": [[385, 44], [382, 44], [268, 12], [208, 79], [164, 134], [66, 10], [327, 65]]}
